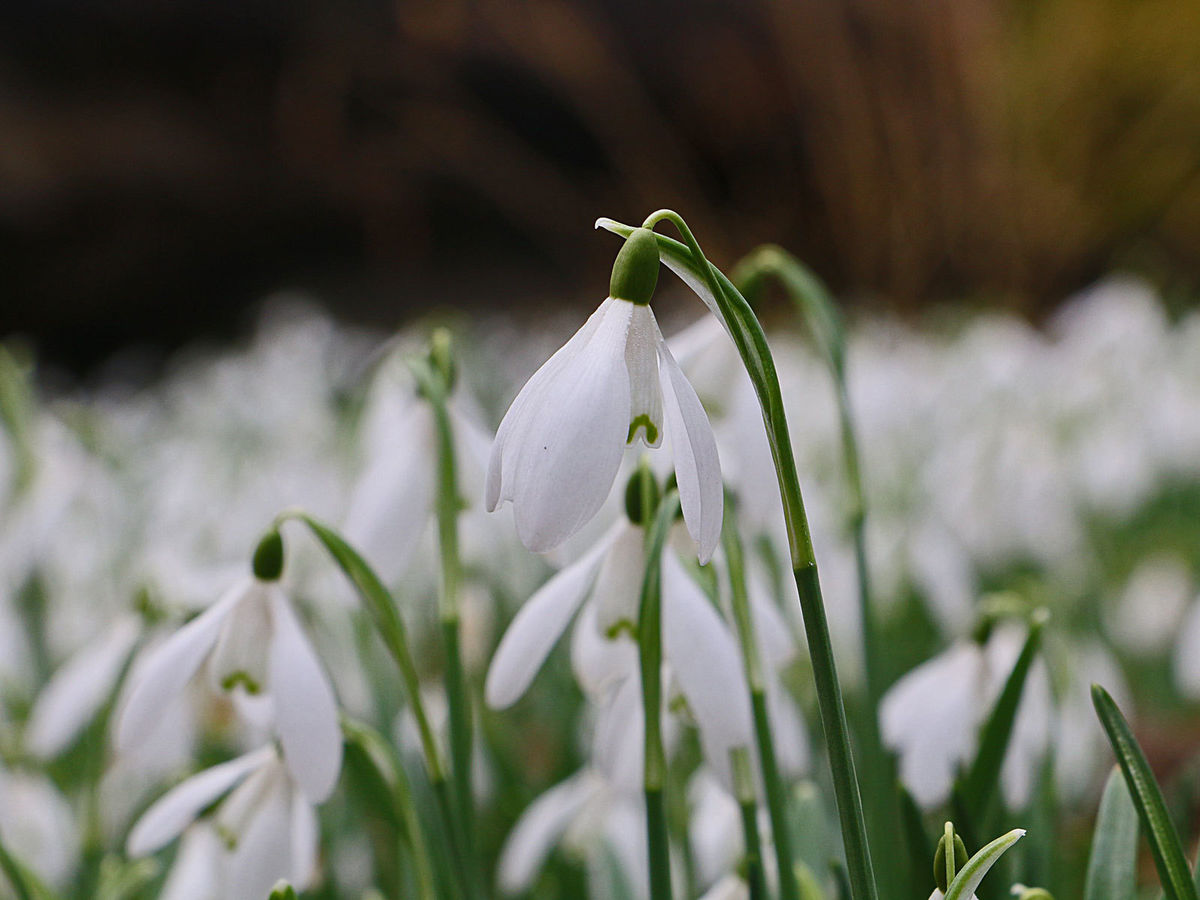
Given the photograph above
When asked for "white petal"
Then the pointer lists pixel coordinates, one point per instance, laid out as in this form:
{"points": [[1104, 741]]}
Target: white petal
{"points": [[239, 656], [1187, 655], [704, 657], [193, 875], [787, 730], [539, 829], [77, 691], [306, 711], [694, 450], [537, 627], [776, 641], [393, 500], [731, 887], [562, 451], [176, 809], [645, 394], [167, 669]]}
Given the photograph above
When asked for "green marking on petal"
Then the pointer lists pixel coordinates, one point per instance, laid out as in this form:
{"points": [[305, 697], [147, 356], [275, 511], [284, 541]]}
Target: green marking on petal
{"points": [[643, 423], [624, 625], [233, 679]]}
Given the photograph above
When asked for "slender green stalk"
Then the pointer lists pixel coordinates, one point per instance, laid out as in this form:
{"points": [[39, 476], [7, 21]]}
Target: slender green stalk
{"points": [[743, 788], [650, 658], [751, 342], [776, 791], [447, 507]]}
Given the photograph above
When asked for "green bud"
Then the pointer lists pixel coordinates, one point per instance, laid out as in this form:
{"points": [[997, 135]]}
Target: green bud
{"points": [[441, 357], [1027, 893], [939, 860], [282, 891], [641, 496], [268, 557], [635, 271]]}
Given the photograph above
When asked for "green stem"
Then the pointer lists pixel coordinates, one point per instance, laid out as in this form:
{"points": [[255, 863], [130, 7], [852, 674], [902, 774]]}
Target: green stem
{"points": [[751, 342], [776, 791], [743, 788], [458, 698], [650, 659]]}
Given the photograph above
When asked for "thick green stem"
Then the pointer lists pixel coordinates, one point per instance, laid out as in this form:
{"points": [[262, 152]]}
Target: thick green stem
{"points": [[751, 342], [743, 788], [776, 791], [650, 658]]}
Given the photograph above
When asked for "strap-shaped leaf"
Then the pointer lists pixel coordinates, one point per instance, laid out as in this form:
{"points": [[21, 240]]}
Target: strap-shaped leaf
{"points": [[981, 779], [966, 882], [1173, 869], [1112, 866]]}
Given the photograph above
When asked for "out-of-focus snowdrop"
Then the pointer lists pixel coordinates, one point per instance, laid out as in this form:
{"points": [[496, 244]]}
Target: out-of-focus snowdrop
{"points": [[1186, 661], [251, 641], [1081, 750], [38, 826], [716, 836], [1148, 612], [932, 715], [266, 825]]}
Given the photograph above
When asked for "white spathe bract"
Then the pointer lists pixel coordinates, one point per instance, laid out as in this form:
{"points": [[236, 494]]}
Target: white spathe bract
{"points": [[250, 637], [560, 444]]}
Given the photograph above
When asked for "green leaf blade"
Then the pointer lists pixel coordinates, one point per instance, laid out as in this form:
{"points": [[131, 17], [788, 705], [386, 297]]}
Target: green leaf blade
{"points": [[1112, 865], [1165, 846], [967, 881]]}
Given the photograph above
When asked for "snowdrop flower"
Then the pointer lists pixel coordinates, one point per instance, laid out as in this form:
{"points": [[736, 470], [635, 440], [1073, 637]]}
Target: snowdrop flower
{"points": [[37, 826], [932, 715], [731, 887], [266, 824], [250, 639], [560, 444], [698, 647]]}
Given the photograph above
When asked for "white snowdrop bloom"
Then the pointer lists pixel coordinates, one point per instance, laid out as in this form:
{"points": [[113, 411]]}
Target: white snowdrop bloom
{"points": [[251, 639], [393, 502], [266, 824], [715, 828], [1148, 612], [932, 715], [77, 691], [589, 818], [698, 647], [38, 826], [560, 444]]}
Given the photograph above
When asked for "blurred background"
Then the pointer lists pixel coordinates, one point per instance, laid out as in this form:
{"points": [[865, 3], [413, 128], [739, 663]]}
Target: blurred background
{"points": [[164, 165]]}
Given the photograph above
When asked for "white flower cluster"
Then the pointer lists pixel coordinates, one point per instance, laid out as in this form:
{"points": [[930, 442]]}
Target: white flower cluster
{"points": [[991, 449]]}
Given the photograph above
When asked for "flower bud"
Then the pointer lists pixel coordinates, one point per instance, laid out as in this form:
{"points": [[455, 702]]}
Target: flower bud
{"points": [[635, 271], [268, 557], [441, 357], [939, 860]]}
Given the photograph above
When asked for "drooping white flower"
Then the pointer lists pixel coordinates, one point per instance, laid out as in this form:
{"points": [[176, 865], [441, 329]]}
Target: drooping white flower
{"points": [[250, 639], [37, 826], [267, 825], [560, 444]]}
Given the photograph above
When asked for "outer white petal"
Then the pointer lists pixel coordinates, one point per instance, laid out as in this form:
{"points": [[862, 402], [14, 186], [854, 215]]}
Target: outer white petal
{"points": [[193, 875], [787, 729], [176, 809], [619, 582], [305, 833], [562, 452], [715, 829], [392, 503], [624, 834], [540, 828], [537, 627], [776, 641], [502, 461], [305, 708], [704, 657], [694, 448], [168, 668], [77, 691], [930, 718]]}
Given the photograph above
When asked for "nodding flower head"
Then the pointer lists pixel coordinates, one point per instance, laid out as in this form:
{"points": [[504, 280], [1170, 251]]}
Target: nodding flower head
{"points": [[614, 382]]}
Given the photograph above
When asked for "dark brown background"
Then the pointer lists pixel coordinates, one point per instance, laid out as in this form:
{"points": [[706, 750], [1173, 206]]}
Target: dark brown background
{"points": [[164, 164]]}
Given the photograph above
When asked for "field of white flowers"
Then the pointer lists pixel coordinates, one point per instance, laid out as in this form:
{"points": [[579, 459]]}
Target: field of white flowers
{"points": [[257, 622]]}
